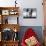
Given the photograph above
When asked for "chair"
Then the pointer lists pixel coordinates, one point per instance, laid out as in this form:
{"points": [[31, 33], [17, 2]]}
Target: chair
{"points": [[28, 34]]}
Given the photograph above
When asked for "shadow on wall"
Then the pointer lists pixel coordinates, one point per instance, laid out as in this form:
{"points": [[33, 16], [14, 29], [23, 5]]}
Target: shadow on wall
{"points": [[37, 29]]}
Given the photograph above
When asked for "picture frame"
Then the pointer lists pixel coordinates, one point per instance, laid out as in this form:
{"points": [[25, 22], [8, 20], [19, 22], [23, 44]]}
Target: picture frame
{"points": [[5, 12], [10, 20], [13, 20], [7, 34], [29, 13], [13, 12]]}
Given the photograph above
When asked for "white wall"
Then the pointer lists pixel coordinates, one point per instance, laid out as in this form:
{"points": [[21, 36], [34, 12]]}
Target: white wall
{"points": [[33, 22], [27, 4]]}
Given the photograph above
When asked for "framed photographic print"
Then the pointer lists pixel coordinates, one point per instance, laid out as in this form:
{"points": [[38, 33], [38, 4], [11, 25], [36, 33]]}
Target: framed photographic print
{"points": [[29, 12], [10, 20], [13, 20], [5, 12], [13, 12], [6, 34]]}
